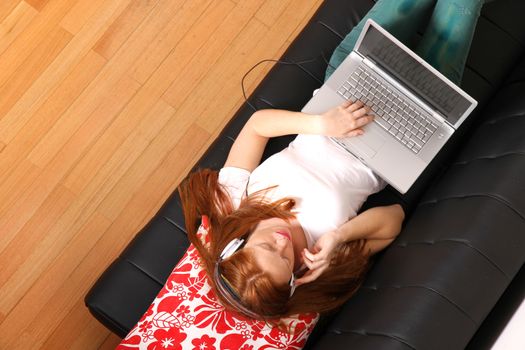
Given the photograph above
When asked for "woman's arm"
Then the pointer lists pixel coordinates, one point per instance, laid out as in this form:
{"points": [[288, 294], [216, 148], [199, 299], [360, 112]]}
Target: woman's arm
{"points": [[344, 120], [379, 226], [247, 150]]}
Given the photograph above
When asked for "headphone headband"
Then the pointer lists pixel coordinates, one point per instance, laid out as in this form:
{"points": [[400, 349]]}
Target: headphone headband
{"points": [[227, 290]]}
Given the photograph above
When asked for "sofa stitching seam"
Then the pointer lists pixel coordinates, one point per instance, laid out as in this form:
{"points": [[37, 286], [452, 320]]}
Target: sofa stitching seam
{"points": [[107, 318], [493, 157], [375, 288], [497, 25], [174, 223], [375, 334], [502, 119], [144, 272], [491, 196], [330, 29], [464, 242]]}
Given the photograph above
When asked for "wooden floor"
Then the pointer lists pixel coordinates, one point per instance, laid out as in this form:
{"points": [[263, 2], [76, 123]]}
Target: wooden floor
{"points": [[104, 107]]}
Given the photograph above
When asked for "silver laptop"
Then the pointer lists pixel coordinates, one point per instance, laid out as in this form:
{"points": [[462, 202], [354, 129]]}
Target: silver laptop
{"points": [[416, 108]]}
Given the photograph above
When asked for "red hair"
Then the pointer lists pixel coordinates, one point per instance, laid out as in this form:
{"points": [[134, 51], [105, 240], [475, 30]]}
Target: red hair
{"points": [[201, 194]]}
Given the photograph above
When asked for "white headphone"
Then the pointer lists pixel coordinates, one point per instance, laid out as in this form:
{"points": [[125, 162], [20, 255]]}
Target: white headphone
{"points": [[231, 248]]}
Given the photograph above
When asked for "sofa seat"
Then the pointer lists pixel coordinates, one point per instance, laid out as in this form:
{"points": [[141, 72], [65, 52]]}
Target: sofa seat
{"points": [[463, 238]]}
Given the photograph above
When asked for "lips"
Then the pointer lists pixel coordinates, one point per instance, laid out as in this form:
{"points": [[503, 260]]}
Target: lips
{"points": [[284, 234]]}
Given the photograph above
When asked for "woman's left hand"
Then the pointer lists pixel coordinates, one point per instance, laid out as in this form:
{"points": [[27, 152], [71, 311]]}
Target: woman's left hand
{"points": [[319, 260]]}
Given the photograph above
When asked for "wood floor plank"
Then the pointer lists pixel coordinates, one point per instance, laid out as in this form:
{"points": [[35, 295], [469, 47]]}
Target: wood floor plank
{"points": [[43, 119], [79, 323], [90, 99], [23, 205], [40, 189], [31, 68], [169, 38], [226, 79], [170, 24], [31, 37], [206, 58], [56, 290], [38, 4], [77, 331], [163, 179], [14, 23], [90, 124], [74, 52], [80, 14], [270, 11], [145, 148], [16, 181], [32, 262], [173, 169], [127, 121], [137, 140], [110, 343], [7, 7], [229, 76], [123, 27], [32, 234], [73, 218], [94, 177], [97, 130]]}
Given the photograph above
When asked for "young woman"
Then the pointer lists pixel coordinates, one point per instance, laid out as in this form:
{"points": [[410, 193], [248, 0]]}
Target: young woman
{"points": [[295, 215]]}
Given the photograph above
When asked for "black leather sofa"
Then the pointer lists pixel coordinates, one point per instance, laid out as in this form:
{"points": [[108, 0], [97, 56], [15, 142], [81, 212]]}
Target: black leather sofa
{"points": [[452, 277]]}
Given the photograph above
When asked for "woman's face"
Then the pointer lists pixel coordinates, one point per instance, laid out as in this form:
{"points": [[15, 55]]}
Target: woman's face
{"points": [[272, 243]]}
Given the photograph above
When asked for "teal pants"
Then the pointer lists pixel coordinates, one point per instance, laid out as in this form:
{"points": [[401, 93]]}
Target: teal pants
{"points": [[445, 43]]}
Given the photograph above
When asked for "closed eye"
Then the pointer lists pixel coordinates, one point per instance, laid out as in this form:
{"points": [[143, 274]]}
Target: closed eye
{"points": [[266, 246], [269, 248]]}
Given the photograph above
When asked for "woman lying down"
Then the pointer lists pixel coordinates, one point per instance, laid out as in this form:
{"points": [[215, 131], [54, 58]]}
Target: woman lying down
{"points": [[285, 234]]}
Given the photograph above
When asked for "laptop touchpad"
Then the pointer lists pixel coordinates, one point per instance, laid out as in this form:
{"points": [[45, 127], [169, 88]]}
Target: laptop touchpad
{"points": [[370, 142]]}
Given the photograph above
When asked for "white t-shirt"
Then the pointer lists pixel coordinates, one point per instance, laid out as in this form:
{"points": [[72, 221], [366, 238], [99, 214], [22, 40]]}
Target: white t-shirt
{"points": [[328, 184]]}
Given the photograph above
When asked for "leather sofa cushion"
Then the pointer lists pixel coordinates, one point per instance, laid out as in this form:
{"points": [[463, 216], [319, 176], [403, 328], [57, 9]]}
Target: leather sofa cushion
{"points": [[460, 250]]}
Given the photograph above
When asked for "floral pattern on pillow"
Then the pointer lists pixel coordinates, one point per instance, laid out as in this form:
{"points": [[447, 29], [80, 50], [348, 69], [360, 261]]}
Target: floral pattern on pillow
{"points": [[187, 315]]}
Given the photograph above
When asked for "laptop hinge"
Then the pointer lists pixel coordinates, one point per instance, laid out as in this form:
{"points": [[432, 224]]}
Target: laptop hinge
{"points": [[374, 66]]}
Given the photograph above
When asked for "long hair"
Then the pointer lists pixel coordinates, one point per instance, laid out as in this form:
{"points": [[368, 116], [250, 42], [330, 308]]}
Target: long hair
{"points": [[201, 194]]}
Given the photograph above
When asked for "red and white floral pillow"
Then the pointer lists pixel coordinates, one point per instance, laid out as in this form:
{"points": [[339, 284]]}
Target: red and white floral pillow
{"points": [[187, 315]]}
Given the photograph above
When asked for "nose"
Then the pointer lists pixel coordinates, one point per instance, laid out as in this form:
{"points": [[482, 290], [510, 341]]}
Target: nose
{"points": [[280, 242]]}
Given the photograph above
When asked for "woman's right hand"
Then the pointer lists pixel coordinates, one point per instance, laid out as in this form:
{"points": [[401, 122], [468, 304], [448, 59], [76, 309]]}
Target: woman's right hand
{"points": [[346, 120], [319, 259]]}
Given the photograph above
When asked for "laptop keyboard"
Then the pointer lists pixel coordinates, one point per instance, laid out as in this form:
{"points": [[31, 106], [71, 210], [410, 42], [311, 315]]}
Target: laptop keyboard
{"points": [[406, 124]]}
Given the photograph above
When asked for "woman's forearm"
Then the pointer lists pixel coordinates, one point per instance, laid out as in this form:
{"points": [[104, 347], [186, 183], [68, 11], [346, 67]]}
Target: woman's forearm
{"points": [[344, 120], [275, 122], [379, 223]]}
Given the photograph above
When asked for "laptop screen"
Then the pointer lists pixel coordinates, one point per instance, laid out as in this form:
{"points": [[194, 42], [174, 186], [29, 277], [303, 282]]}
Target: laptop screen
{"points": [[415, 76]]}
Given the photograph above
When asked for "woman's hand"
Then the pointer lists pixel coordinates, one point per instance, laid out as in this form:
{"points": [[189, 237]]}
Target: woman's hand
{"points": [[346, 120], [319, 260]]}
